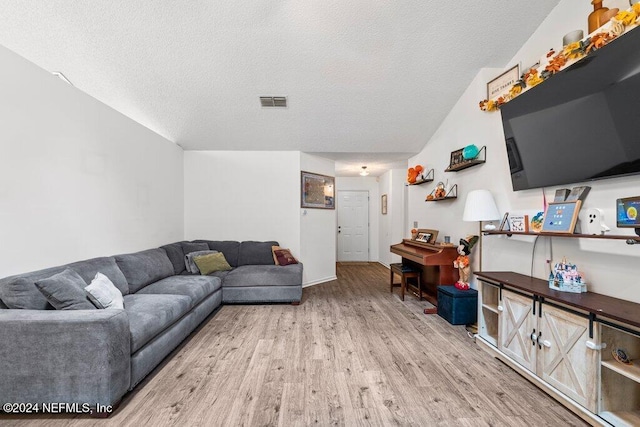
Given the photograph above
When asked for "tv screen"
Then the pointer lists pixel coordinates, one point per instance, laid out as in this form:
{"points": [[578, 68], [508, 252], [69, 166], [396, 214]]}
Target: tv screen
{"points": [[627, 212], [581, 124]]}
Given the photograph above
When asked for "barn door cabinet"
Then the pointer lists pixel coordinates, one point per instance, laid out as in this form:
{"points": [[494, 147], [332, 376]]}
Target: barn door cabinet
{"points": [[562, 343]]}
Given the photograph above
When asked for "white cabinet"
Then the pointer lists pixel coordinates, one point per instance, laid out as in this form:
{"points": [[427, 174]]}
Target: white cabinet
{"points": [[619, 383], [551, 343], [563, 343], [567, 358], [488, 317], [517, 326]]}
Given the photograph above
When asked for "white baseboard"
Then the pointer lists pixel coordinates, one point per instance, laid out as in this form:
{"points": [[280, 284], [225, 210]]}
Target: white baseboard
{"points": [[384, 264], [319, 281]]}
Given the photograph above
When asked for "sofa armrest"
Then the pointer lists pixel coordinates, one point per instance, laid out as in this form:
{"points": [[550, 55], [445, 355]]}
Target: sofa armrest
{"points": [[66, 356]]}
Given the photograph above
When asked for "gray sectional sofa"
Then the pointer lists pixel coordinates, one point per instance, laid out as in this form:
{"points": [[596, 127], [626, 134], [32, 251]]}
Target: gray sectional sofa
{"points": [[96, 356]]}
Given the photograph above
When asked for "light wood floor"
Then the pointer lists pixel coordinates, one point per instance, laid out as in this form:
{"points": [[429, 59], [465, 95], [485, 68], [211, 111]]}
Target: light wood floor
{"points": [[351, 354]]}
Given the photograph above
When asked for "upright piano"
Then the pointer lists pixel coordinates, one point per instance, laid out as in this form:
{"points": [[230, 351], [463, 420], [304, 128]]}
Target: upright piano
{"points": [[434, 260]]}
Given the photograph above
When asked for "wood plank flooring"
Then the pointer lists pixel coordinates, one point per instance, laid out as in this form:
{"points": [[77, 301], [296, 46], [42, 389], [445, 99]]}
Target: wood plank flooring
{"points": [[350, 354]]}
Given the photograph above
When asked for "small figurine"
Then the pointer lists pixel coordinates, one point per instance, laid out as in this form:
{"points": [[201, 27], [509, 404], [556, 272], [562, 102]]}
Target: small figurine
{"points": [[462, 262], [440, 191]]}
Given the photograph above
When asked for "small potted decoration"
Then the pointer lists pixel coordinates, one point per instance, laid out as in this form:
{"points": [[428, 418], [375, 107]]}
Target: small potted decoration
{"points": [[414, 233]]}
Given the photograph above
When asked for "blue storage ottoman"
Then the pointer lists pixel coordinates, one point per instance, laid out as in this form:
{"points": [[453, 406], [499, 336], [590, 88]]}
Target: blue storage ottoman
{"points": [[457, 307]]}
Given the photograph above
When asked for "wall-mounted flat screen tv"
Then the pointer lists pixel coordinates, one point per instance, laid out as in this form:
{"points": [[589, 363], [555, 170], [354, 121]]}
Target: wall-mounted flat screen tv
{"points": [[580, 125]]}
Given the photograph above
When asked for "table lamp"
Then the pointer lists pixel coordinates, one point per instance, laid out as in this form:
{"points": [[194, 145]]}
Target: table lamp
{"points": [[480, 206]]}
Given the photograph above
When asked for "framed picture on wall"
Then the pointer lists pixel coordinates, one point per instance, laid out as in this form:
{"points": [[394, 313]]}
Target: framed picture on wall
{"points": [[317, 191], [383, 203], [501, 84]]}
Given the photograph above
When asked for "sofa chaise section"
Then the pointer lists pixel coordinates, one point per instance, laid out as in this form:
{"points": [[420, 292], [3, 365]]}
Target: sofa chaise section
{"points": [[255, 278]]}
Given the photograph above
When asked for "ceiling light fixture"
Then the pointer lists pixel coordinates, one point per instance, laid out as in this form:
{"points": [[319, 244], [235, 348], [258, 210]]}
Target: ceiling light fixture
{"points": [[364, 171]]}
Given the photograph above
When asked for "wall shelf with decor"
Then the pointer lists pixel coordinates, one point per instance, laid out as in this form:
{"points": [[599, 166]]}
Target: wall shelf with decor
{"points": [[427, 178], [456, 165], [449, 195], [636, 239]]}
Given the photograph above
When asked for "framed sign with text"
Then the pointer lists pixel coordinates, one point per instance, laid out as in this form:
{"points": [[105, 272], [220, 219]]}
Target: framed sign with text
{"points": [[501, 84]]}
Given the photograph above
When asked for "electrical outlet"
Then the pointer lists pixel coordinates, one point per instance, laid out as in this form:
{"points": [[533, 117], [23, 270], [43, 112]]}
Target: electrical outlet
{"points": [[415, 224]]}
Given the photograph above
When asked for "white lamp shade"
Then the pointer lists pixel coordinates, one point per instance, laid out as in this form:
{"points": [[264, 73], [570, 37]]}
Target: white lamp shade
{"points": [[480, 206]]}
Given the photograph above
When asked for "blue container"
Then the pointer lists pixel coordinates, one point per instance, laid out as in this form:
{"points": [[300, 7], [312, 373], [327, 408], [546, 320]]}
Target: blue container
{"points": [[457, 307]]}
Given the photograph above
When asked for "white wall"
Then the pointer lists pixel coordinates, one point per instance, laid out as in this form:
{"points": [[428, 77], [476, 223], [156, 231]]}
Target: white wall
{"points": [[392, 227], [255, 195], [608, 266], [77, 178], [317, 229], [370, 184], [243, 195]]}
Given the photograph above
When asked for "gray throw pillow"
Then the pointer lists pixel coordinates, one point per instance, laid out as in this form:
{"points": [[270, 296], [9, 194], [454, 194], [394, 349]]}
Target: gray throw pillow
{"points": [[65, 291], [103, 293], [190, 263]]}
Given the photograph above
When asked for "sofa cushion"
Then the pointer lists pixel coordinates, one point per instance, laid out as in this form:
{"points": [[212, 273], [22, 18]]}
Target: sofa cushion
{"points": [[264, 275], [104, 294], [210, 263], [65, 291], [143, 268], [188, 247], [229, 248], [284, 257], [106, 265], [176, 256], [151, 314], [197, 288], [190, 262], [20, 292], [256, 253]]}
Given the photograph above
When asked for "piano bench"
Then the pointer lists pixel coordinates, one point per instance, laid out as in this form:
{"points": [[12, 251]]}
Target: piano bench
{"points": [[405, 272]]}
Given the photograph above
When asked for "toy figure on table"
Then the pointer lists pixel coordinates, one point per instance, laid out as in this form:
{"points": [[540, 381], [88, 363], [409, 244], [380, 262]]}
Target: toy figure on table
{"points": [[462, 262]]}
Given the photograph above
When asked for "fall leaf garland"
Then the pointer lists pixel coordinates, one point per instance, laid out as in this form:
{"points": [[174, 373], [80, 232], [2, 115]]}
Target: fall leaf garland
{"points": [[561, 60]]}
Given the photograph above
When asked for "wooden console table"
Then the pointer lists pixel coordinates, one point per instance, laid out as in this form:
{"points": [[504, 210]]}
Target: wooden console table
{"points": [[563, 343], [435, 262]]}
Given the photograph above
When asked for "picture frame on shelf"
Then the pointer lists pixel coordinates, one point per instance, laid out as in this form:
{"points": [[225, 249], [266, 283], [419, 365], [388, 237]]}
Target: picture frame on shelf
{"points": [[561, 217], [502, 83], [456, 158], [426, 235], [519, 223], [317, 191]]}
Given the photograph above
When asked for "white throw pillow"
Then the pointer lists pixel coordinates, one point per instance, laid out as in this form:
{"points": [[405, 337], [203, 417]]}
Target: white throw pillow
{"points": [[103, 293]]}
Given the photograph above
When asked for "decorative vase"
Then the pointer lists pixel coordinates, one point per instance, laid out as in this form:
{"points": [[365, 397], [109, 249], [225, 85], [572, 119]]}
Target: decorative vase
{"points": [[470, 152], [595, 17], [572, 37]]}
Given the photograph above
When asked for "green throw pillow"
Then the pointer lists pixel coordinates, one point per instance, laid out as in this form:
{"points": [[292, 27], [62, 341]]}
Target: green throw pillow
{"points": [[210, 263]]}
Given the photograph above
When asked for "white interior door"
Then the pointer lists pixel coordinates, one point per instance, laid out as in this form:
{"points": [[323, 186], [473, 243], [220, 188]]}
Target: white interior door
{"points": [[353, 226]]}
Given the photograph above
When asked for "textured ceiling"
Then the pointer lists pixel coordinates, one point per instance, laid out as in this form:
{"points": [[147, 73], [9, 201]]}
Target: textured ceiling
{"points": [[360, 76]]}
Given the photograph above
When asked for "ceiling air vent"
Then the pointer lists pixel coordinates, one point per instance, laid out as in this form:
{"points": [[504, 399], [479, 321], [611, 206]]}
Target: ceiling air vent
{"points": [[273, 101]]}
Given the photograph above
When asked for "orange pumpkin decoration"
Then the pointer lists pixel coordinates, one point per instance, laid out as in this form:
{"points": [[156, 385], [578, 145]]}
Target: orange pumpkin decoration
{"points": [[412, 175]]}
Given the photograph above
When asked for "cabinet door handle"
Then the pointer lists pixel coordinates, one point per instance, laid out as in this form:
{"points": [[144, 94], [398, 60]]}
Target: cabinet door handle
{"points": [[500, 308], [534, 337], [546, 343], [594, 346], [538, 340]]}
